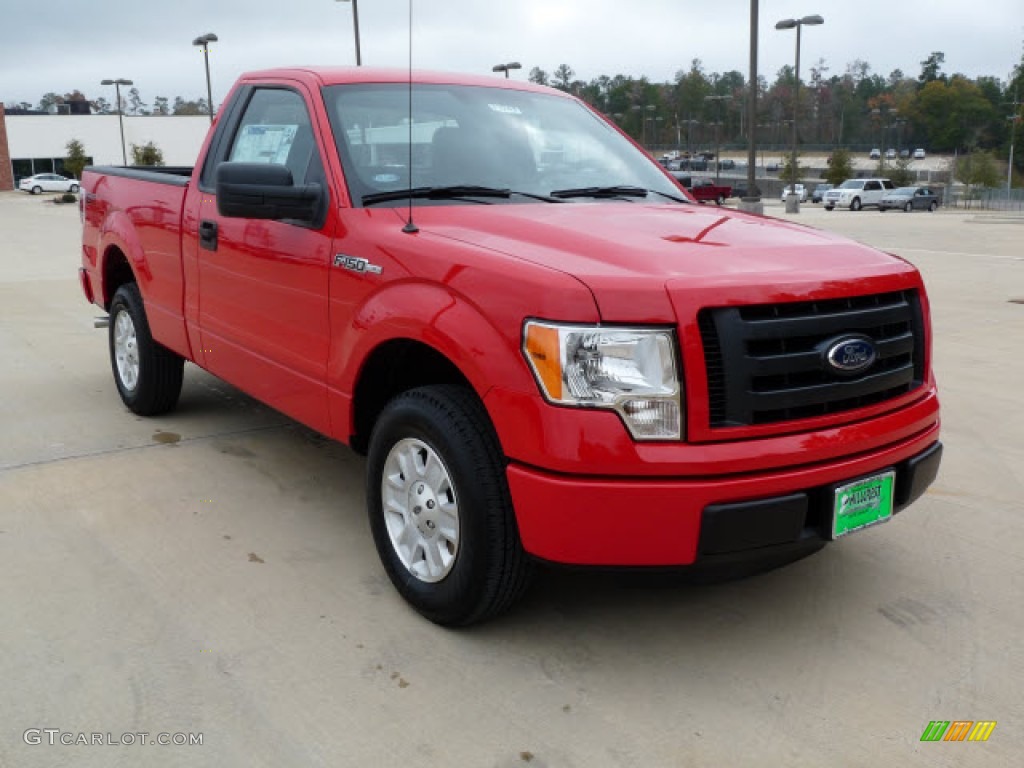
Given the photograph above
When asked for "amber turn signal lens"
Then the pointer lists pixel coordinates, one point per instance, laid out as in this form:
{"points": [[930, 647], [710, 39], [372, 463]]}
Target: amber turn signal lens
{"points": [[542, 347]]}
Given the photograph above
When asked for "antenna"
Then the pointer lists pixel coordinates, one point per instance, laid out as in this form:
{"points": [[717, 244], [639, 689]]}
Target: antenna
{"points": [[410, 228]]}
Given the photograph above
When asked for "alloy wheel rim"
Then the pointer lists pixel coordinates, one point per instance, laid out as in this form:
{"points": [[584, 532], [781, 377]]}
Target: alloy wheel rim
{"points": [[421, 509], [126, 351]]}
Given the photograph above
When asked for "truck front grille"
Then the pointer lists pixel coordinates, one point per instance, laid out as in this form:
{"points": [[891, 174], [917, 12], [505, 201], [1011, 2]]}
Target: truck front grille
{"points": [[767, 363]]}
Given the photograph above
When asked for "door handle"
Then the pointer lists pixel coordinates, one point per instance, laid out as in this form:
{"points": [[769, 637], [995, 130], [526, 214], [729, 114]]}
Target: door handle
{"points": [[208, 235]]}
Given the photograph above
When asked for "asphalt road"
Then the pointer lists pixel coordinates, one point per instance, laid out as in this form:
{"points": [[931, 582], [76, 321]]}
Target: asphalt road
{"points": [[211, 573]]}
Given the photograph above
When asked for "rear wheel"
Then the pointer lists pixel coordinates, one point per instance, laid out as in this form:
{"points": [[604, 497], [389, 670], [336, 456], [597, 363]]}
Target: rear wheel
{"points": [[933, 206], [74, 189], [908, 207], [719, 200], [440, 509], [147, 374], [855, 205]]}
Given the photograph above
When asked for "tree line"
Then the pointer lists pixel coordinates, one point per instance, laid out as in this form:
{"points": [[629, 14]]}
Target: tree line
{"points": [[857, 108], [131, 104]]}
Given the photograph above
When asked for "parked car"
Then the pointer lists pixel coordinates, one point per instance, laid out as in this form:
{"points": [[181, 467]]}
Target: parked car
{"points": [[919, 154], [904, 153], [875, 154], [910, 199], [741, 191], [704, 190], [857, 193], [890, 154], [819, 192], [47, 182], [801, 192]]}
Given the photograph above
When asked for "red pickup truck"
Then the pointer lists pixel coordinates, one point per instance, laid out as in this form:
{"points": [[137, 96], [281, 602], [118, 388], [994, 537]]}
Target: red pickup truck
{"points": [[704, 190], [546, 351]]}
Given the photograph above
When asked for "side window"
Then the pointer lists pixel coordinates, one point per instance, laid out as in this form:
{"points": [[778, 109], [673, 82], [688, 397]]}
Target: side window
{"points": [[888, 184], [275, 128], [871, 186]]}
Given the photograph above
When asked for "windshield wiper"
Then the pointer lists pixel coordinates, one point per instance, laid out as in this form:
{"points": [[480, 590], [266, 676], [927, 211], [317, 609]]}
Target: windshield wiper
{"points": [[676, 198], [619, 190], [450, 193], [615, 191], [436, 193]]}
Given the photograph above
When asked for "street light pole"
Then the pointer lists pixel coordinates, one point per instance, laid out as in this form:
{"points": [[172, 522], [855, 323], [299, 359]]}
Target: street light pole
{"points": [[718, 135], [355, 25], [506, 67], [790, 24], [753, 199], [203, 41], [120, 111]]}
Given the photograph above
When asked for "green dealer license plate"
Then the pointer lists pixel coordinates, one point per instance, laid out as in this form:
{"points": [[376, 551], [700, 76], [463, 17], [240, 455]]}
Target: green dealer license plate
{"points": [[863, 503]]}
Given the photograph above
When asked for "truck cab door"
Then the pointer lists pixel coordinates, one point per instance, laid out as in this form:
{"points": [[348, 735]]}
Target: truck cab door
{"points": [[263, 302]]}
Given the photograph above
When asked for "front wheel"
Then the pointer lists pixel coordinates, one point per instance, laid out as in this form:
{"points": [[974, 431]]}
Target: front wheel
{"points": [[855, 205], [440, 508], [74, 189], [908, 207], [147, 374], [719, 200], [932, 207], [829, 207]]}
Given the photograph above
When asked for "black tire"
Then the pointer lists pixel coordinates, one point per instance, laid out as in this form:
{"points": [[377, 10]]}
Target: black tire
{"points": [[932, 206], [829, 207], [855, 205], [490, 570], [157, 383], [719, 200], [37, 190], [908, 207], [882, 209], [74, 189]]}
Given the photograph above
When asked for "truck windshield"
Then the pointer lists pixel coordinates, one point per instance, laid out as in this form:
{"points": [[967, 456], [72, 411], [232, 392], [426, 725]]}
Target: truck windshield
{"points": [[535, 146]]}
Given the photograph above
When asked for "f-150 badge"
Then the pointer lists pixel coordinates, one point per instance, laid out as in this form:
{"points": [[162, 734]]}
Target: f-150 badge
{"points": [[356, 264]]}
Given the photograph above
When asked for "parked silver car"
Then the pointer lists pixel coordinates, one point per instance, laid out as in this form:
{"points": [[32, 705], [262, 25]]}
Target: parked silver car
{"points": [[909, 199], [47, 182]]}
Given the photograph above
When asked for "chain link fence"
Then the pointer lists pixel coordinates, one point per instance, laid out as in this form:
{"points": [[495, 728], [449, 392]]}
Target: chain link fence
{"points": [[986, 199]]}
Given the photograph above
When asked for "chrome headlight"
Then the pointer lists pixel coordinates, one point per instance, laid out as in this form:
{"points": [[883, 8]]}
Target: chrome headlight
{"points": [[631, 371]]}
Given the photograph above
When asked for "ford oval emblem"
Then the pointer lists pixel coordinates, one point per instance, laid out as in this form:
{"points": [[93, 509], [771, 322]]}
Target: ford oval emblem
{"points": [[851, 354]]}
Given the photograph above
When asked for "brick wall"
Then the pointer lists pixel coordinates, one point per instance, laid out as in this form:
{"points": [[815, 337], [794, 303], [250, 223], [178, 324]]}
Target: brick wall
{"points": [[6, 179]]}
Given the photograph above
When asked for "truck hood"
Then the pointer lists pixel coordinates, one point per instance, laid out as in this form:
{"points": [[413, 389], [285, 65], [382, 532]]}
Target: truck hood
{"points": [[632, 256]]}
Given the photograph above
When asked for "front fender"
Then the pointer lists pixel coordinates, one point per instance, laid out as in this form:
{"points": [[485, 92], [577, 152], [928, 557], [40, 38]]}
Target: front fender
{"points": [[438, 317]]}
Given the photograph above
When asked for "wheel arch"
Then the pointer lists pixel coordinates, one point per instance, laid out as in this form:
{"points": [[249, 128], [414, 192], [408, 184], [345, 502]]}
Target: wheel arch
{"points": [[391, 368], [116, 272], [123, 260]]}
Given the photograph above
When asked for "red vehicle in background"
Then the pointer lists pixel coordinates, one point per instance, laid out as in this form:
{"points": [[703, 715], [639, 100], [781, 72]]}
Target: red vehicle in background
{"points": [[546, 351], [704, 190]]}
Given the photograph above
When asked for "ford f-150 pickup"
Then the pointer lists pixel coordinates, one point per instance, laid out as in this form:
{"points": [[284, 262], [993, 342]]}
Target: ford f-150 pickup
{"points": [[546, 350]]}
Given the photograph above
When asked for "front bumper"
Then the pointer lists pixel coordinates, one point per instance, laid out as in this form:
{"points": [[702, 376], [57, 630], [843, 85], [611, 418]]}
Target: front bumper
{"points": [[675, 521]]}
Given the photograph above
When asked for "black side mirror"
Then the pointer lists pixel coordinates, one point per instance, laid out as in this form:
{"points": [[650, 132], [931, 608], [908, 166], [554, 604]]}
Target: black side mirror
{"points": [[265, 191]]}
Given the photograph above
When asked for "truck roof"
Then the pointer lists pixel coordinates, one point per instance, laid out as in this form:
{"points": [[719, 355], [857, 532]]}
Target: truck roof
{"points": [[323, 75]]}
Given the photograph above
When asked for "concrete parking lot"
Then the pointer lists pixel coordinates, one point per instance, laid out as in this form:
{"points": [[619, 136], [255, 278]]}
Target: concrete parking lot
{"points": [[211, 572]]}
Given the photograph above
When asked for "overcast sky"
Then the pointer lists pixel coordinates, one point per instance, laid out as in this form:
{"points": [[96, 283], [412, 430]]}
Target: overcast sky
{"points": [[61, 45]]}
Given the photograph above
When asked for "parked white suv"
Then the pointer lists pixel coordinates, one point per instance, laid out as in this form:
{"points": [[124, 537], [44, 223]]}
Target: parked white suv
{"points": [[857, 193]]}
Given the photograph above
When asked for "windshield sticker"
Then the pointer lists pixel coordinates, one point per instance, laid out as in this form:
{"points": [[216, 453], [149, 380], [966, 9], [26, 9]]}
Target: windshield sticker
{"points": [[264, 144], [505, 109]]}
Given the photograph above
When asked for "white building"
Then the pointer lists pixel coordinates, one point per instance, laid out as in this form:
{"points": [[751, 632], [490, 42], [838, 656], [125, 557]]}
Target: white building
{"points": [[38, 143]]}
